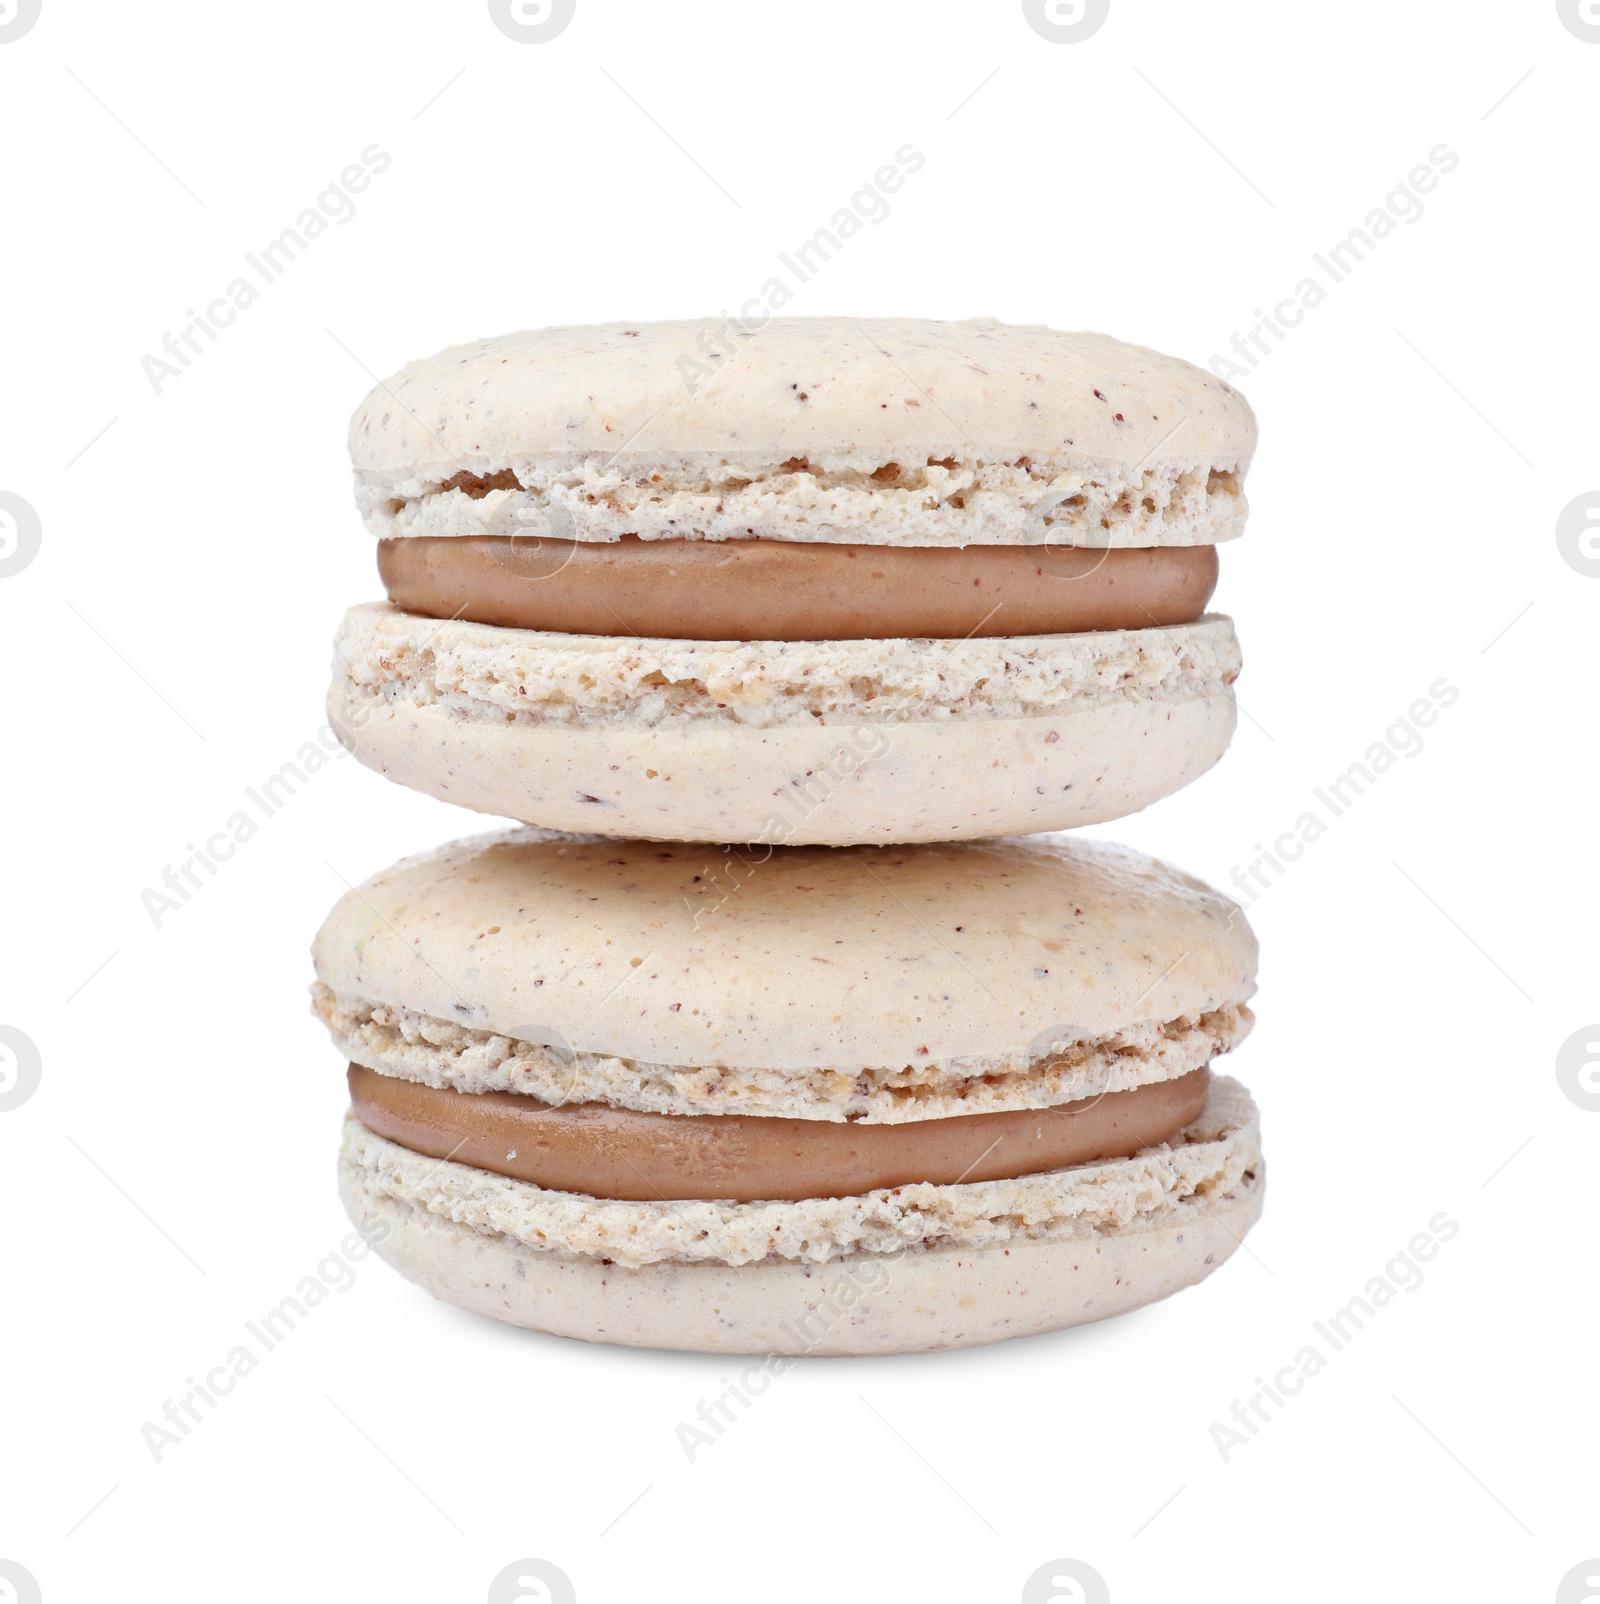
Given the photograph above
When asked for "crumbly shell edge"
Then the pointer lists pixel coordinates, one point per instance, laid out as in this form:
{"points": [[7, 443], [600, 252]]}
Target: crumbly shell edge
{"points": [[402, 1042], [486, 672], [825, 497]]}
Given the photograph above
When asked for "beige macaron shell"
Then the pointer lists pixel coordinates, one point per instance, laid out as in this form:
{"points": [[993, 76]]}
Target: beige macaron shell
{"points": [[906, 431], [804, 956], [831, 742], [930, 1298]]}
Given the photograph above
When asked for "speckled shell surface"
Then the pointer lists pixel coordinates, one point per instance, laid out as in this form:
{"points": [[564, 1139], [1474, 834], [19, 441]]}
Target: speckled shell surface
{"points": [[792, 956], [830, 742], [892, 431]]}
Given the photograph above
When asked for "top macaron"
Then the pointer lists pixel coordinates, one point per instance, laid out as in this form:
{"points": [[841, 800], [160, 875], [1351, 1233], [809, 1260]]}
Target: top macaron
{"points": [[820, 580], [894, 431]]}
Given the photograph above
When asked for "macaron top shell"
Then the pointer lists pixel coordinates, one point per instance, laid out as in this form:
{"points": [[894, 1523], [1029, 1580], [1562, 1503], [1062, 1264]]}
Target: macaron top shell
{"points": [[940, 412], [685, 954]]}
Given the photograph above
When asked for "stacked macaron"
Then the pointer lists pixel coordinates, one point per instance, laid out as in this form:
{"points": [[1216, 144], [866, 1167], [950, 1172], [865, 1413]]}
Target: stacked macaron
{"points": [[750, 1043]]}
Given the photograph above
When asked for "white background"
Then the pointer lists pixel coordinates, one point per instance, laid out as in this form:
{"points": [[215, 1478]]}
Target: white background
{"points": [[1423, 961]]}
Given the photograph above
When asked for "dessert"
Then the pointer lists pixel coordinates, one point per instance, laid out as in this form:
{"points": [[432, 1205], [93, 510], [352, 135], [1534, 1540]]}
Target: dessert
{"points": [[788, 1099], [871, 581]]}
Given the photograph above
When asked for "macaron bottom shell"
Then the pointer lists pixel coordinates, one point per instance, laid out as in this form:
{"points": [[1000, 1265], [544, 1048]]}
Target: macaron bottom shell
{"points": [[920, 1300], [1124, 1240], [826, 785]]}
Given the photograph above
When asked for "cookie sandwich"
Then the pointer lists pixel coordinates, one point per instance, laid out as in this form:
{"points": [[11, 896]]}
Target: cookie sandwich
{"points": [[818, 581], [792, 1099]]}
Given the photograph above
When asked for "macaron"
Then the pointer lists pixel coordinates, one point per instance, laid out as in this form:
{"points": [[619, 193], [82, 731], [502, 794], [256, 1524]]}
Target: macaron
{"points": [[792, 1100], [817, 581]]}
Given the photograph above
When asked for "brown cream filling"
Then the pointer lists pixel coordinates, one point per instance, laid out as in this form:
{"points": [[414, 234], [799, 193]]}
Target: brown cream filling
{"points": [[600, 1151], [793, 591]]}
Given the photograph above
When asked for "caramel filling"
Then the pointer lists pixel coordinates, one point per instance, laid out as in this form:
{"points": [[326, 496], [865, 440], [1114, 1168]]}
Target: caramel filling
{"points": [[600, 1151], [791, 591]]}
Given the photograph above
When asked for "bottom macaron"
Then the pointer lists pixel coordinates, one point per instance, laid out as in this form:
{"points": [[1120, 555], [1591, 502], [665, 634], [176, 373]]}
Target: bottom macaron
{"points": [[805, 1100], [908, 1270]]}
